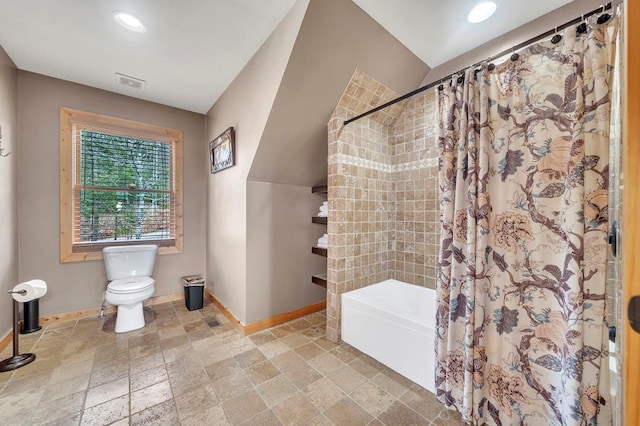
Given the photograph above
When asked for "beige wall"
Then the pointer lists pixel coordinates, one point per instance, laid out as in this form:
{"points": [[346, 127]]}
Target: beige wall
{"points": [[279, 240], [245, 105], [519, 35], [8, 187], [74, 286]]}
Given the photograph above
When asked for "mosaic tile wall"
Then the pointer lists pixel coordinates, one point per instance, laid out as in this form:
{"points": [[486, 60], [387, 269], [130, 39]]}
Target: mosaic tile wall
{"points": [[360, 195], [382, 181], [415, 185]]}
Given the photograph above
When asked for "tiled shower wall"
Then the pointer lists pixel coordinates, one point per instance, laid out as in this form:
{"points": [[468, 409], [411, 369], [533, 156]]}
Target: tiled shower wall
{"points": [[415, 186], [360, 195], [383, 214]]}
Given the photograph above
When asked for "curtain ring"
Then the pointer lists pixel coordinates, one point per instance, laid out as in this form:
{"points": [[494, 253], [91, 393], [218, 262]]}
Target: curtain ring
{"points": [[477, 71], [556, 37], [604, 17], [514, 56], [582, 28], [490, 65]]}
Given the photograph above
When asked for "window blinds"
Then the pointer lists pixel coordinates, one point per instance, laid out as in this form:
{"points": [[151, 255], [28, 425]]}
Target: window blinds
{"points": [[123, 189]]}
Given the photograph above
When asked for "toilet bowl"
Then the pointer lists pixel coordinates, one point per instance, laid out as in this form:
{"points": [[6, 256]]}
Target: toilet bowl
{"points": [[129, 271]]}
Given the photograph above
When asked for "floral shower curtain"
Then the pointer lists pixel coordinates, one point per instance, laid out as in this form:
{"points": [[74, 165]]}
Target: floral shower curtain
{"points": [[521, 282]]}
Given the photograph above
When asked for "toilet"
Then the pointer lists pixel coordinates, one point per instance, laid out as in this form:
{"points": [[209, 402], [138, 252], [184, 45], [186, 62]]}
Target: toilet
{"points": [[129, 270]]}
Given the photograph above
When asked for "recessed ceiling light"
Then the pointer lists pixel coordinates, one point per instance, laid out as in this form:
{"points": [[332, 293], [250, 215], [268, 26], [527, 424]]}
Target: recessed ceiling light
{"points": [[481, 12], [128, 21]]}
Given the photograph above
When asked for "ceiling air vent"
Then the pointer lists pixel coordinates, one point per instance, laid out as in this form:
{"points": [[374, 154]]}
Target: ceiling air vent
{"points": [[132, 82]]}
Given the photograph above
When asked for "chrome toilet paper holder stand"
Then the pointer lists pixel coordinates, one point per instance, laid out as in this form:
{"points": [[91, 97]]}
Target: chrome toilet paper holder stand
{"points": [[17, 360]]}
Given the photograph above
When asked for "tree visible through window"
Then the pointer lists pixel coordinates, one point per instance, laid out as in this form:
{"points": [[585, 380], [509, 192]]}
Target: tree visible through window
{"points": [[124, 188], [120, 184]]}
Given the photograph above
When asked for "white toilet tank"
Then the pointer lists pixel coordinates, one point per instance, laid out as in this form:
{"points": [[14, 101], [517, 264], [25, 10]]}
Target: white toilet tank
{"points": [[129, 261]]}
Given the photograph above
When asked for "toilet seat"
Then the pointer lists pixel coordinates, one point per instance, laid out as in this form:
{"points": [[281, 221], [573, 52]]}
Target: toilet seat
{"points": [[130, 285]]}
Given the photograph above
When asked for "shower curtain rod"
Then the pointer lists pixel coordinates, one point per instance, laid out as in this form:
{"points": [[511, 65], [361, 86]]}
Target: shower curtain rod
{"points": [[526, 43]]}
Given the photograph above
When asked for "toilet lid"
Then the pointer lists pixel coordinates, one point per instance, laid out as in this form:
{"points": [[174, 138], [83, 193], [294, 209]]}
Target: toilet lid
{"points": [[130, 285]]}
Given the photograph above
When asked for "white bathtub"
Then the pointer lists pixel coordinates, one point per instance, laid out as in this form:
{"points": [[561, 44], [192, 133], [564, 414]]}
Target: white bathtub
{"points": [[393, 322]]}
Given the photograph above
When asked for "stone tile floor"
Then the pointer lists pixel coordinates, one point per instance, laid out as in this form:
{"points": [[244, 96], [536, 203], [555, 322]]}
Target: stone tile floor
{"points": [[180, 370]]}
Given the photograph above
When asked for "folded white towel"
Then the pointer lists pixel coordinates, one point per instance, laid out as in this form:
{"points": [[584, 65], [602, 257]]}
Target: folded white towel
{"points": [[323, 214], [323, 240], [325, 245]]}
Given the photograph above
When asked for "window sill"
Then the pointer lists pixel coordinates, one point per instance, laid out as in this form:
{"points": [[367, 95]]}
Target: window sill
{"points": [[97, 255]]}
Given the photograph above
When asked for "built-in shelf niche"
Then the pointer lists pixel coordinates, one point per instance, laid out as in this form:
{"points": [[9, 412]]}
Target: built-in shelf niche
{"points": [[319, 251], [319, 279], [320, 189]]}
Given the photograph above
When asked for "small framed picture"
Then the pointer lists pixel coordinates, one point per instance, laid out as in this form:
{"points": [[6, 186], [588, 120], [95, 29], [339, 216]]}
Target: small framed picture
{"points": [[222, 151]]}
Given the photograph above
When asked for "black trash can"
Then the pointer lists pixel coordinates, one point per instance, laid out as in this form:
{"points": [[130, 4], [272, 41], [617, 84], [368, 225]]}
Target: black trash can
{"points": [[31, 316], [193, 292]]}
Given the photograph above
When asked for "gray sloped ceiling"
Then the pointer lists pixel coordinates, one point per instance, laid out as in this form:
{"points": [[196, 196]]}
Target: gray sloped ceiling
{"points": [[336, 36]]}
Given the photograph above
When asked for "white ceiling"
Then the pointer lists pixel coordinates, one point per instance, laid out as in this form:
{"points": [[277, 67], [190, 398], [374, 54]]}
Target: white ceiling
{"points": [[437, 31], [190, 53], [193, 49]]}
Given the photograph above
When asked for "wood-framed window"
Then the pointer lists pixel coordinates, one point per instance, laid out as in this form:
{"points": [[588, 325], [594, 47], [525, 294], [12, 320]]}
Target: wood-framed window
{"points": [[120, 184]]}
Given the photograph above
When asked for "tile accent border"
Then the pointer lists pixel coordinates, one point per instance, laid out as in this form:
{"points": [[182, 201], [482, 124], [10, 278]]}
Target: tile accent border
{"points": [[381, 167], [267, 322], [416, 165], [359, 162]]}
